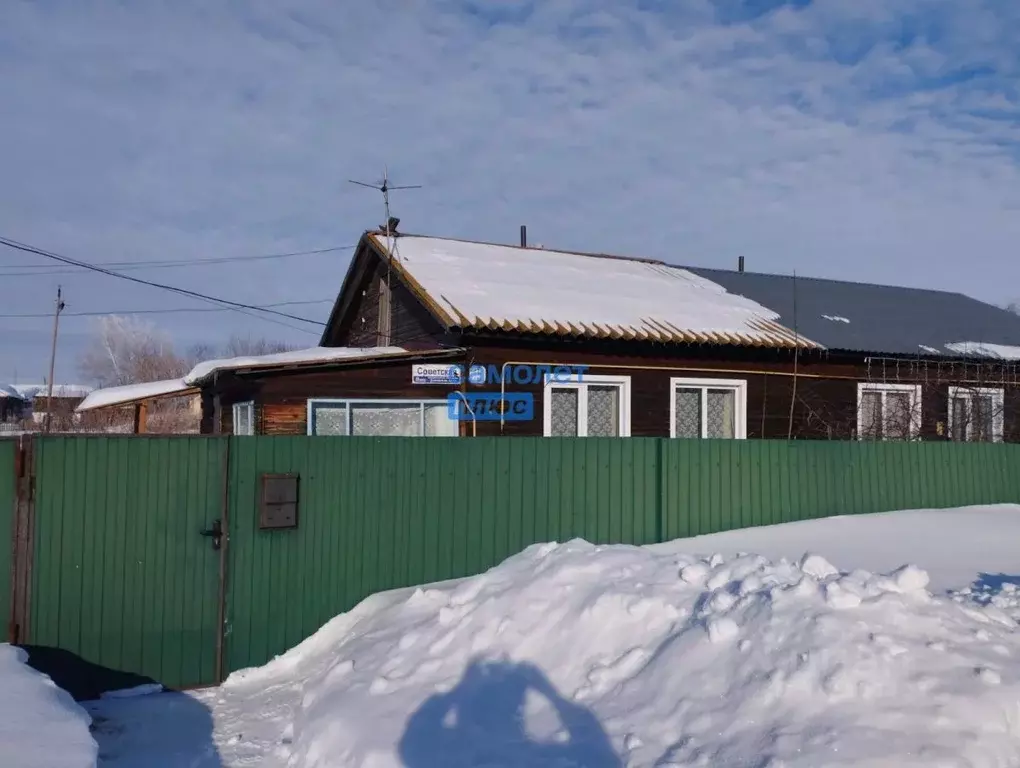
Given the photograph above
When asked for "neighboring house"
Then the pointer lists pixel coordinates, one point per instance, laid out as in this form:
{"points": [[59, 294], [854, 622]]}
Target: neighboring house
{"points": [[66, 398], [13, 406], [669, 351]]}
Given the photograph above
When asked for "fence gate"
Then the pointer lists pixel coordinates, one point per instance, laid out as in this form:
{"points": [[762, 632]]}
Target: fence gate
{"points": [[127, 567]]}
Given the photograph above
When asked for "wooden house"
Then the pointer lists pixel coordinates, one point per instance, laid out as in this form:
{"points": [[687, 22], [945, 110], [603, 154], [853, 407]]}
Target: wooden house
{"points": [[654, 350], [13, 406]]}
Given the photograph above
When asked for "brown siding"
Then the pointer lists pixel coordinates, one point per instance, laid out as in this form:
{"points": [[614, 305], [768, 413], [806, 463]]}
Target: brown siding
{"points": [[413, 326], [825, 407], [824, 392], [281, 397]]}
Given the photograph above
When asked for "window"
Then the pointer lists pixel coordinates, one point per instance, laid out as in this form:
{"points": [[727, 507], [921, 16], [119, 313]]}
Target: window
{"points": [[888, 411], [975, 414], [244, 418], [587, 406], [708, 408], [382, 418]]}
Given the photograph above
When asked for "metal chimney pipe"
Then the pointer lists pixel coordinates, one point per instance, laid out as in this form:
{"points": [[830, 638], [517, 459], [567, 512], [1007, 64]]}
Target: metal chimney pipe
{"points": [[524, 236], [740, 264]]}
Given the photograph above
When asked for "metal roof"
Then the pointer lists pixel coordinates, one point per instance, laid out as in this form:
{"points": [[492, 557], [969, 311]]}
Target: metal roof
{"points": [[863, 317]]}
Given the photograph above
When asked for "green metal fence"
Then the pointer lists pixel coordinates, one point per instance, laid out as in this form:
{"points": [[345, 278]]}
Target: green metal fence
{"points": [[382, 513], [711, 486], [7, 452], [122, 576]]}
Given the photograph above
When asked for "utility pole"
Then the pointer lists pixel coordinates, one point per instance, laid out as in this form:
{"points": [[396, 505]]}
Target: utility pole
{"points": [[53, 359]]}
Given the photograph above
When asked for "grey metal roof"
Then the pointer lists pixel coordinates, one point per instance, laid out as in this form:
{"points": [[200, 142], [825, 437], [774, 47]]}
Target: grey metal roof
{"points": [[862, 317]]}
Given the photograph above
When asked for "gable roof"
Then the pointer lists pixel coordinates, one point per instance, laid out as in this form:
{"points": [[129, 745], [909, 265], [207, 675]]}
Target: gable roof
{"points": [[863, 317], [485, 286]]}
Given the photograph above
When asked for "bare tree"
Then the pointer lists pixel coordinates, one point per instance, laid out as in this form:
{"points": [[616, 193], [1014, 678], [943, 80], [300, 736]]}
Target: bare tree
{"points": [[125, 350], [246, 346]]}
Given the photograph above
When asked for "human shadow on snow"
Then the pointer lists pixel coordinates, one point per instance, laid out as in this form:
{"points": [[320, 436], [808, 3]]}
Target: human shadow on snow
{"points": [[482, 721]]}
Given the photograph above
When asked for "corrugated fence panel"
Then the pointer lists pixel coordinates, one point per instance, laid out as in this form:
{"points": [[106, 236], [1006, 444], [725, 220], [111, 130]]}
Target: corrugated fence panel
{"points": [[380, 513], [122, 576], [711, 485], [8, 449]]}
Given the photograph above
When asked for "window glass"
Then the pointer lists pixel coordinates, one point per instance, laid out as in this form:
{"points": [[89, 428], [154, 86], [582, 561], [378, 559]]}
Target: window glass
{"points": [[603, 410], [720, 412], [563, 414], [898, 415], [329, 419], [438, 422], [688, 412], [386, 420], [871, 415]]}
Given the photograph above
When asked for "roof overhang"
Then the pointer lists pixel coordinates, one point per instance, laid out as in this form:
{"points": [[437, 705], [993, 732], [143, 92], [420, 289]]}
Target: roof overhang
{"points": [[133, 394], [352, 362]]}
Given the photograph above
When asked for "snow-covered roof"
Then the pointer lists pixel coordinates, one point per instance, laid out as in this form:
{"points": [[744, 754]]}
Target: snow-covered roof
{"points": [[982, 349], [8, 390], [70, 391], [133, 393], [203, 371], [502, 287]]}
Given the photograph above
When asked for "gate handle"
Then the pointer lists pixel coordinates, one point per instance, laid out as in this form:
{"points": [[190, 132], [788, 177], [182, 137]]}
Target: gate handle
{"points": [[216, 532]]}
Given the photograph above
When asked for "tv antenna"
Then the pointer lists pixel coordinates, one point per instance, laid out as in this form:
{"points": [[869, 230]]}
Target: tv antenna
{"points": [[389, 227]]}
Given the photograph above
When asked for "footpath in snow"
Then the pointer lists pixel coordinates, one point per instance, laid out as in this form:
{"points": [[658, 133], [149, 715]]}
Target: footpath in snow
{"points": [[686, 654], [40, 725]]}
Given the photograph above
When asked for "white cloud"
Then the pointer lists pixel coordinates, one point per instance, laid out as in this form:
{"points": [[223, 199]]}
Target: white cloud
{"points": [[860, 139]]}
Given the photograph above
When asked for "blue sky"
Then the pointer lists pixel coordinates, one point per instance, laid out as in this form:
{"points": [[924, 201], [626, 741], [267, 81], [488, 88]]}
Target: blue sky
{"points": [[871, 140]]}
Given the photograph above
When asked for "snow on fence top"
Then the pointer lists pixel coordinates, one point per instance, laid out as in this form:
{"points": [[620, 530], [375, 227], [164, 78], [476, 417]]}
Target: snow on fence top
{"points": [[132, 393], [502, 287]]}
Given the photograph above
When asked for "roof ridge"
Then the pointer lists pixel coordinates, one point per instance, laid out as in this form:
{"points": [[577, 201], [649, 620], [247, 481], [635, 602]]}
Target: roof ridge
{"points": [[543, 249], [815, 278]]}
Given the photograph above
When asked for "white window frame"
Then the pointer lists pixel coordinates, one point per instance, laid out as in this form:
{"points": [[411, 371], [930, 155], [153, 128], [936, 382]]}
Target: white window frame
{"points": [[915, 406], [347, 402], [248, 405], [736, 385], [998, 403], [581, 382]]}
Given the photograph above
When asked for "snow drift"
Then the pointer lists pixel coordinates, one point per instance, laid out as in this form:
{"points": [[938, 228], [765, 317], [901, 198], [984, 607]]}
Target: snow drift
{"points": [[41, 726], [608, 656]]}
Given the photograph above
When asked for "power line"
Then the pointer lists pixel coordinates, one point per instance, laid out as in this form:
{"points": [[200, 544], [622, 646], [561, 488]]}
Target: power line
{"points": [[130, 266], [171, 311], [238, 306]]}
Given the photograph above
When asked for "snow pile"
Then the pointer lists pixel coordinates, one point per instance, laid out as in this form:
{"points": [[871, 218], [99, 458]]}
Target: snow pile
{"points": [[608, 656], [40, 725]]}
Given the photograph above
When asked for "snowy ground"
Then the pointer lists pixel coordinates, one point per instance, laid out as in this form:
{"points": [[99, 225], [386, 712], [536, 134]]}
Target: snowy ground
{"points": [[684, 654], [40, 725]]}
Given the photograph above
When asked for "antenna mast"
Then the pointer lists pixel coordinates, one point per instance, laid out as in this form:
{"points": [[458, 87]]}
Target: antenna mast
{"points": [[389, 227]]}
